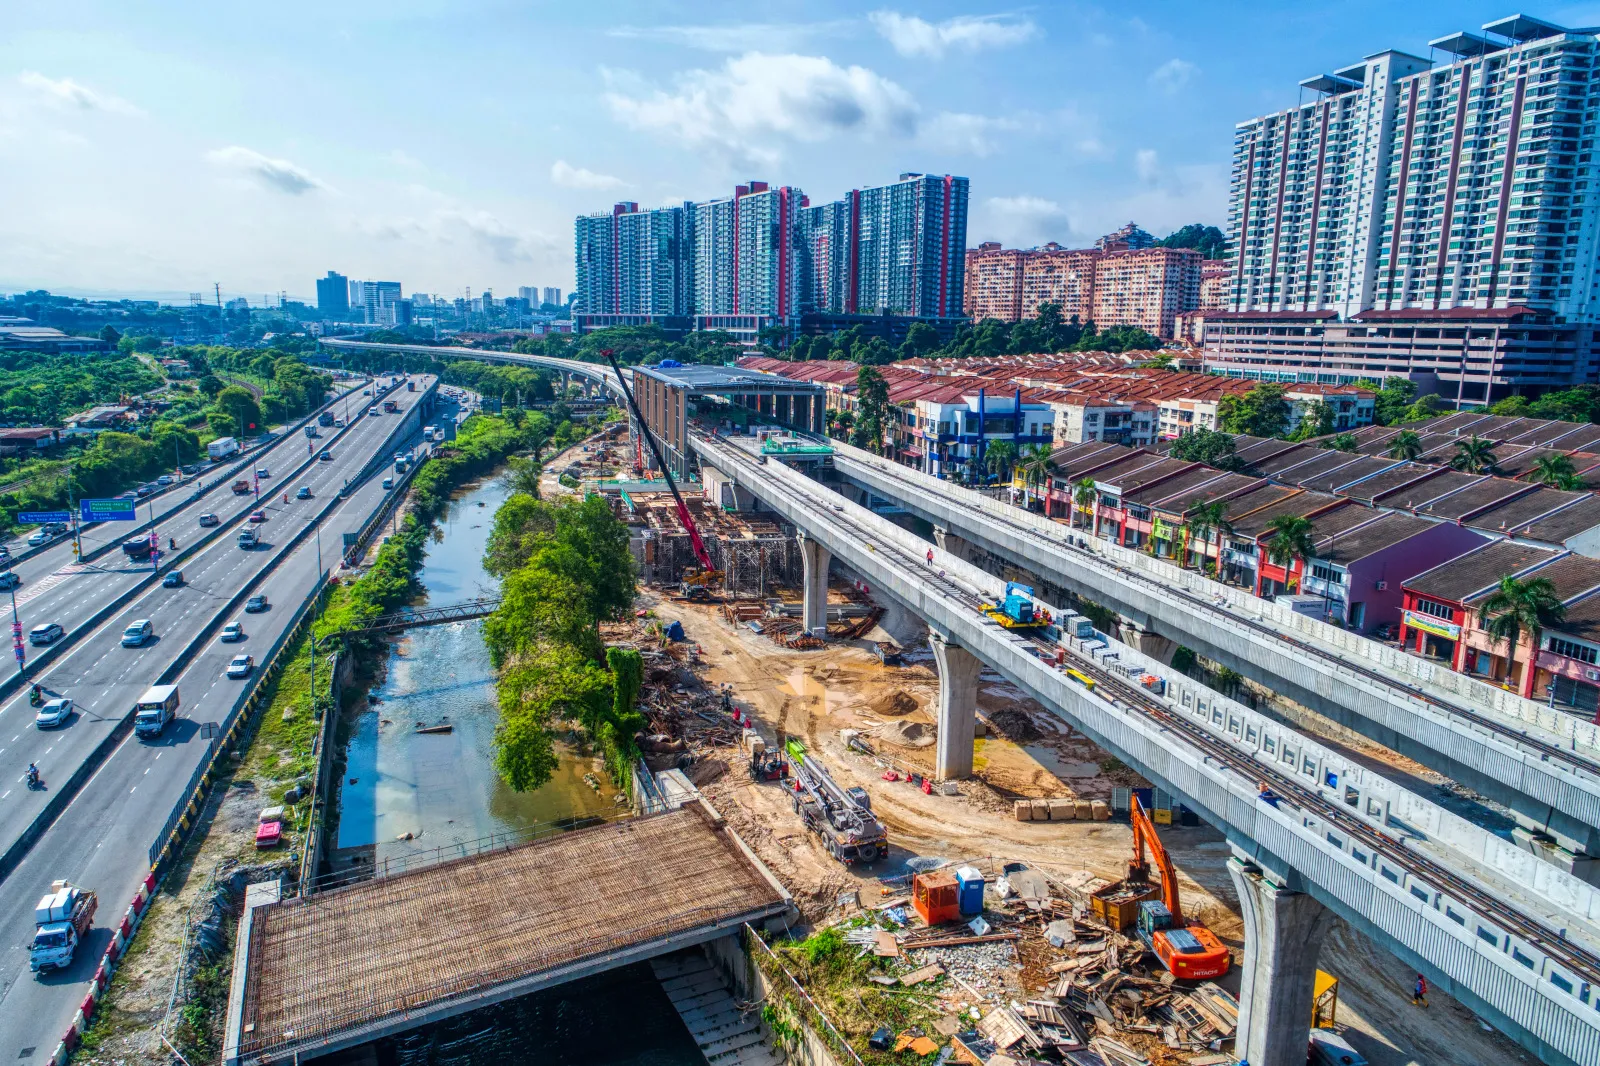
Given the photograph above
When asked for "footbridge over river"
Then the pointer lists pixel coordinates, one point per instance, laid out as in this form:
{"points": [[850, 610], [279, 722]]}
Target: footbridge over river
{"points": [[338, 969], [1515, 939]]}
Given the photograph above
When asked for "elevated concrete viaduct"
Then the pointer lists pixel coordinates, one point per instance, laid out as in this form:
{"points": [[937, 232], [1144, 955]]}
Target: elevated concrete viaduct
{"points": [[1543, 764], [1509, 936]]}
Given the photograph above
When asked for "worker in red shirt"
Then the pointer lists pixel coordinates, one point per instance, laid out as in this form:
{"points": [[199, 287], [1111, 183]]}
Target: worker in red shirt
{"points": [[1419, 994]]}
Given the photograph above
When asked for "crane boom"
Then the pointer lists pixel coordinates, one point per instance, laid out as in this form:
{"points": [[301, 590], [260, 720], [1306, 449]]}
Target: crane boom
{"points": [[1144, 835], [700, 552]]}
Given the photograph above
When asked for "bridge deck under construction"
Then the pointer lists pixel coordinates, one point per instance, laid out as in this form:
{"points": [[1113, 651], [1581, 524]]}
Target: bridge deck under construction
{"points": [[340, 968]]}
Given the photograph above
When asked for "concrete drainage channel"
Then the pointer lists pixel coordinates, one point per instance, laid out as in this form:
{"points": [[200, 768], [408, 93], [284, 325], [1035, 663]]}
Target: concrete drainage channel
{"points": [[17, 680], [169, 842], [85, 770]]}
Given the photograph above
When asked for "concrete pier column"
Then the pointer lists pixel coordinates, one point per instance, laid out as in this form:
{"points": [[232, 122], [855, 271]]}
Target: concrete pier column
{"points": [[1283, 933], [958, 708], [949, 542], [816, 559]]}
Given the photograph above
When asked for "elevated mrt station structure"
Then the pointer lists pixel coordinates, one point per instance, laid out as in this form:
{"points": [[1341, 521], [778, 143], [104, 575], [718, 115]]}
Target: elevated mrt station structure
{"points": [[672, 397]]}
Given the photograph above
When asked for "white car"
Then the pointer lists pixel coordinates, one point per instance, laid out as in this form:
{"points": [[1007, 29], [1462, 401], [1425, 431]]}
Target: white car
{"points": [[48, 633], [38, 537], [241, 665], [53, 714], [231, 632]]}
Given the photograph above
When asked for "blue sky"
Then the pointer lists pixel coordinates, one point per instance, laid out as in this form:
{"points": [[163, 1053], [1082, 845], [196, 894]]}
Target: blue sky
{"points": [[162, 146]]}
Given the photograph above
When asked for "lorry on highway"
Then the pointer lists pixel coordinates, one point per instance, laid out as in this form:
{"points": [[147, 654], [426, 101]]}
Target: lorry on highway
{"points": [[60, 922], [311, 431], [221, 448], [138, 548], [241, 487], [325, 418], [247, 539], [155, 709], [390, 407], [842, 817]]}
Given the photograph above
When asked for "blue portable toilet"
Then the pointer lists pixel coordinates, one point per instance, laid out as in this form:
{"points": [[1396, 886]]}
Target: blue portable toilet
{"points": [[969, 890]]}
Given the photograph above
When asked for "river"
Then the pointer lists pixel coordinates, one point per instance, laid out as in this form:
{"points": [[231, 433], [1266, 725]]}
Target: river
{"points": [[442, 790]]}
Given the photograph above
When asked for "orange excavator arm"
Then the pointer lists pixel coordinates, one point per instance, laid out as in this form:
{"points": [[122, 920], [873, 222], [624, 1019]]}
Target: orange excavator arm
{"points": [[1144, 835]]}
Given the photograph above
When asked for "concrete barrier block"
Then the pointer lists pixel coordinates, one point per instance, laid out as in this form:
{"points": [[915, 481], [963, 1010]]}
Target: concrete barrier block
{"points": [[1084, 810], [1099, 811], [1041, 810], [1063, 810], [1023, 810]]}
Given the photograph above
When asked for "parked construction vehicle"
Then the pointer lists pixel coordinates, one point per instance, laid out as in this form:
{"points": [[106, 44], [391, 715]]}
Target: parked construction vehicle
{"points": [[765, 764], [61, 921], [842, 817], [1016, 610], [1187, 948]]}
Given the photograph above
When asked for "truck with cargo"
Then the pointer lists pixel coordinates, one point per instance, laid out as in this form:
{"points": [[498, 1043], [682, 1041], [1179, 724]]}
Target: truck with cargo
{"points": [[138, 548], [60, 922], [325, 418], [157, 707], [221, 448], [241, 487], [247, 539], [312, 432], [390, 407]]}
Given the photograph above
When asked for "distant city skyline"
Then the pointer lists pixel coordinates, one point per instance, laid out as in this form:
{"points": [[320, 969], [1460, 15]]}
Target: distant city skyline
{"points": [[160, 151]]}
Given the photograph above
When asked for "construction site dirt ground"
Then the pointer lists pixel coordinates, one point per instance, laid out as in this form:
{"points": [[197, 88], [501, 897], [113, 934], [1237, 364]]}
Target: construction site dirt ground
{"points": [[813, 695]]}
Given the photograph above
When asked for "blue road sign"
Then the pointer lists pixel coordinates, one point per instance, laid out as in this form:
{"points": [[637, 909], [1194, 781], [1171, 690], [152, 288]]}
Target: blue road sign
{"points": [[41, 517], [107, 510]]}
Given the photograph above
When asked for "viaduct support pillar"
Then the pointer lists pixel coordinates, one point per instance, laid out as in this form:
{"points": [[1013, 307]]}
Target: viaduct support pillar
{"points": [[1283, 933], [958, 708], [816, 559], [949, 542]]}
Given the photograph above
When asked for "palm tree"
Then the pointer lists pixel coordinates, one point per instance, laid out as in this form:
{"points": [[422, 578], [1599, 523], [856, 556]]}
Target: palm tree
{"points": [[999, 457], [1083, 496], [1474, 456], [1405, 445], [1556, 471], [1202, 520], [1344, 442], [1516, 607], [1036, 466], [1292, 538]]}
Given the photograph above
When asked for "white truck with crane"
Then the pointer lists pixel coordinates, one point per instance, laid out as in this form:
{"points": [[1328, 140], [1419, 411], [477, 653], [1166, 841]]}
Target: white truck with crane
{"points": [[842, 817], [61, 921]]}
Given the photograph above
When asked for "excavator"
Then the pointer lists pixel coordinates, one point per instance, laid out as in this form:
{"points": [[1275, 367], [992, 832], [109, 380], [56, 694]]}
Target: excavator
{"points": [[1185, 947], [696, 583]]}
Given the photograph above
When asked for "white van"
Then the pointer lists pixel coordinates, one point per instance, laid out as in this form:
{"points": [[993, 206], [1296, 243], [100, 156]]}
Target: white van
{"points": [[155, 709], [137, 633]]}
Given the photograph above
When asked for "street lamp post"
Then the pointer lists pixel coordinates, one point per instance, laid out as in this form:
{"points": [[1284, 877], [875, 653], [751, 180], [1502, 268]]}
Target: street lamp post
{"points": [[16, 636]]}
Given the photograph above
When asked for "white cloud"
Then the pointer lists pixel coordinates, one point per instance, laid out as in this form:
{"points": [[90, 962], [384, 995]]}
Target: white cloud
{"points": [[278, 174], [1020, 221], [1147, 164], [1171, 76], [64, 92], [473, 230], [571, 177], [912, 36], [757, 98], [740, 37], [953, 131]]}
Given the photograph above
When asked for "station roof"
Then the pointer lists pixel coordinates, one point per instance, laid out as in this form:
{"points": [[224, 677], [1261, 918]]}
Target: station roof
{"points": [[715, 380]]}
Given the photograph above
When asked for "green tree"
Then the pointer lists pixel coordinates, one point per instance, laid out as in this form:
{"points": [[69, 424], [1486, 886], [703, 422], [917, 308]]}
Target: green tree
{"points": [[539, 687], [1292, 537], [921, 339], [1037, 466], [998, 458], [1475, 455], [1084, 495], [1209, 446], [239, 404], [872, 409], [1529, 605], [1201, 521], [1556, 471], [221, 424], [1344, 442], [1262, 411], [1207, 240], [1391, 399], [1426, 407], [1317, 421], [1405, 445], [109, 334]]}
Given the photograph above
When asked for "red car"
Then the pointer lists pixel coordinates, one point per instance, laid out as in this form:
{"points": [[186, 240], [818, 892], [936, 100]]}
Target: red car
{"points": [[258, 516]]}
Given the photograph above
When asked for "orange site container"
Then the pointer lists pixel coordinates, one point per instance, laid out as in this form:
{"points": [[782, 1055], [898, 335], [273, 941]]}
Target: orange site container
{"points": [[936, 897]]}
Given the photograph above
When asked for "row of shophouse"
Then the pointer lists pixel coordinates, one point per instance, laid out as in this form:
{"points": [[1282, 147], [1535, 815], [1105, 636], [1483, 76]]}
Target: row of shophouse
{"points": [[1402, 549]]}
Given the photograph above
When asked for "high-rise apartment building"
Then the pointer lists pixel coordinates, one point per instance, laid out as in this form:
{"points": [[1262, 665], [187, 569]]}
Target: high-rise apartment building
{"points": [[1436, 220], [333, 296], [766, 239], [910, 242], [595, 255], [655, 262], [552, 295], [529, 293], [374, 301], [824, 249], [1145, 287]]}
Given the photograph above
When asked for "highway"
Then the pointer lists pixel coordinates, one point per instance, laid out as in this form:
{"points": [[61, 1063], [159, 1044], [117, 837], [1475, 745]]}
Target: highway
{"points": [[103, 837]]}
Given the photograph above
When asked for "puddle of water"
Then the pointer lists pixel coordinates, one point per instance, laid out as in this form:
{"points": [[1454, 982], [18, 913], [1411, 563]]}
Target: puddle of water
{"points": [[442, 787]]}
